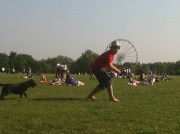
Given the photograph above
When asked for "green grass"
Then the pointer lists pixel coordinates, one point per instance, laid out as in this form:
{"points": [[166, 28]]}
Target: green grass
{"points": [[63, 109]]}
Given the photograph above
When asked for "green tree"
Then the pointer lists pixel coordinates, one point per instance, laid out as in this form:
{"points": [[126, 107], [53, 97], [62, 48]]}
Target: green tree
{"points": [[4, 58], [160, 67], [12, 59], [177, 67], [82, 64], [43, 66], [51, 62], [142, 68], [23, 61]]}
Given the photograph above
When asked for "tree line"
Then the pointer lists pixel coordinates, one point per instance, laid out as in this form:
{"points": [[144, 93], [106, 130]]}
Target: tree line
{"points": [[21, 62]]}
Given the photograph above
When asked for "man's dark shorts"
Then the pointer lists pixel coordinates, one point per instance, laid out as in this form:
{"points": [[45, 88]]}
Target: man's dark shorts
{"points": [[103, 78]]}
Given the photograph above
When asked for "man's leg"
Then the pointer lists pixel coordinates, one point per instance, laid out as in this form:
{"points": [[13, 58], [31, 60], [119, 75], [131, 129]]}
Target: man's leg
{"points": [[111, 95], [91, 95]]}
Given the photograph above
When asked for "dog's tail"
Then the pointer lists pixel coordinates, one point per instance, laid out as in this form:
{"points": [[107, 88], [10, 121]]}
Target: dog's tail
{"points": [[2, 84]]}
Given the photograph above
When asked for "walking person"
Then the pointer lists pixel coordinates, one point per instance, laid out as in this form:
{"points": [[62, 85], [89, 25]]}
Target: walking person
{"points": [[92, 77], [100, 68]]}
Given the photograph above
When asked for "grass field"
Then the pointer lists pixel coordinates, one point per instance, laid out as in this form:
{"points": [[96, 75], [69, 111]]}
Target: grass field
{"points": [[64, 110]]}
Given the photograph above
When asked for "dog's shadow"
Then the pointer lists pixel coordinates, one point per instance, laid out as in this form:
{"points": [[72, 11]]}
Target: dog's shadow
{"points": [[59, 99], [8, 99]]}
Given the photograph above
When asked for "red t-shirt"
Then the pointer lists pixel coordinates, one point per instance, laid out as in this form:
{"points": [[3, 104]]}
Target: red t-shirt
{"points": [[103, 61]]}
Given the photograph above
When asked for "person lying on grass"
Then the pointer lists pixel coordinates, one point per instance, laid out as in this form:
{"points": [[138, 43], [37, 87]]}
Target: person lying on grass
{"points": [[71, 81]]}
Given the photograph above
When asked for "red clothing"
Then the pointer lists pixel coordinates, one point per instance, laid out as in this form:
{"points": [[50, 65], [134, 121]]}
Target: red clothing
{"points": [[103, 61]]}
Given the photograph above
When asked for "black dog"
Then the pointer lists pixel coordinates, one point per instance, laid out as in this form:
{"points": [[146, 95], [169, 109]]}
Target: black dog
{"points": [[19, 88]]}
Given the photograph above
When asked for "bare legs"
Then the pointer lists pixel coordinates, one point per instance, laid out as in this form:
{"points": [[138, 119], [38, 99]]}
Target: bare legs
{"points": [[111, 95], [97, 89], [91, 95]]}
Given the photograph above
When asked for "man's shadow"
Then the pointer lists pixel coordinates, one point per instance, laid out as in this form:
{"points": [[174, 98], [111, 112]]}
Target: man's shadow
{"points": [[59, 99]]}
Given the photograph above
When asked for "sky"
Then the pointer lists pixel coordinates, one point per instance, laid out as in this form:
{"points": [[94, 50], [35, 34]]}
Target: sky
{"points": [[48, 28]]}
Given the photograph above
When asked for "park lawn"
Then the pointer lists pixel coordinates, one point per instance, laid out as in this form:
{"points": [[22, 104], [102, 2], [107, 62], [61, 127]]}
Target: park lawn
{"points": [[64, 110]]}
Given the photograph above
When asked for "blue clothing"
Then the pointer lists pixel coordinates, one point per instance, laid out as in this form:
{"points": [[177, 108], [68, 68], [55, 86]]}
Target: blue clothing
{"points": [[71, 81]]}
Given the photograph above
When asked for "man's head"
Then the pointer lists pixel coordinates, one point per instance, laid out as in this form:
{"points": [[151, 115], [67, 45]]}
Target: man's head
{"points": [[115, 46]]}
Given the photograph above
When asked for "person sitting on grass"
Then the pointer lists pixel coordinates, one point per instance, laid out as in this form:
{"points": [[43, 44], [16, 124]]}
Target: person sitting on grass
{"points": [[43, 78], [56, 81], [151, 78], [165, 77], [71, 81], [142, 77], [132, 80]]}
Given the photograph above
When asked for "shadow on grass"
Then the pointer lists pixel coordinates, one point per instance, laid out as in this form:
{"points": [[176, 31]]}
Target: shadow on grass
{"points": [[59, 99], [153, 132], [8, 99]]}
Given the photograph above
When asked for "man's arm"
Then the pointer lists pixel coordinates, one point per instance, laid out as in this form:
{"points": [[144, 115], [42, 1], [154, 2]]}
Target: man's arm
{"points": [[114, 69]]}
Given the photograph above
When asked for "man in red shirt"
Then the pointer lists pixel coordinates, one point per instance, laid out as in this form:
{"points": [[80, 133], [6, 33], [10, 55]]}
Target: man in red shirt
{"points": [[99, 68]]}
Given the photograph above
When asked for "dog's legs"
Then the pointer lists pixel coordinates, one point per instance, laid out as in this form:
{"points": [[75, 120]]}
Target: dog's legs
{"points": [[1, 97], [22, 94], [3, 93], [25, 94]]}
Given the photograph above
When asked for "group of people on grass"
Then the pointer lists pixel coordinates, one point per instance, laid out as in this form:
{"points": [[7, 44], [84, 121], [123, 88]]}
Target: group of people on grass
{"points": [[142, 80], [62, 77], [146, 80]]}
